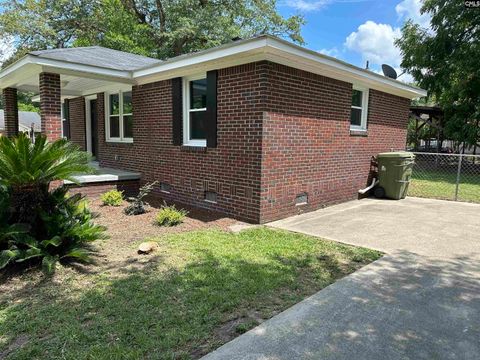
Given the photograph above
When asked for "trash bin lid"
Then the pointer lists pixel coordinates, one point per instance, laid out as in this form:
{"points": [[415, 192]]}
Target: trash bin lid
{"points": [[396, 154]]}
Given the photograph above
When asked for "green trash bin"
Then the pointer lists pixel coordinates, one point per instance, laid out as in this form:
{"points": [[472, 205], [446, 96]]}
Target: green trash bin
{"points": [[394, 172]]}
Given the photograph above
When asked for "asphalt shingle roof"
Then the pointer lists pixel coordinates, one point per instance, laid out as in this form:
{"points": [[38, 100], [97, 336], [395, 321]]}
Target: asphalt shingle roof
{"points": [[25, 118], [98, 56]]}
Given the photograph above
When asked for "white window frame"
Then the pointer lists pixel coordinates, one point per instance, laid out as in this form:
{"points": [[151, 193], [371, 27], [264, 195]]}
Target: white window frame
{"points": [[363, 108], [186, 111], [62, 116], [120, 139]]}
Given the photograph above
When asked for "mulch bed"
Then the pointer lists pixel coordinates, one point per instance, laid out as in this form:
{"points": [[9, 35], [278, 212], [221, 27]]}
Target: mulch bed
{"points": [[125, 233]]}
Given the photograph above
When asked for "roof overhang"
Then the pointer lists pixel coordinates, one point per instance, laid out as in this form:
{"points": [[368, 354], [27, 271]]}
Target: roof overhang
{"points": [[264, 47], [21, 73], [279, 51]]}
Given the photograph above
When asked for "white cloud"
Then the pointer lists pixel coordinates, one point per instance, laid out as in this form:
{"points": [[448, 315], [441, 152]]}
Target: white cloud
{"points": [[7, 48], [375, 42], [313, 5], [333, 52], [305, 5], [410, 9]]}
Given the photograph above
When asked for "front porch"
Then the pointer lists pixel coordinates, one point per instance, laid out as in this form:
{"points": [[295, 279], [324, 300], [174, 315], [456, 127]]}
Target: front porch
{"points": [[73, 101], [105, 179]]}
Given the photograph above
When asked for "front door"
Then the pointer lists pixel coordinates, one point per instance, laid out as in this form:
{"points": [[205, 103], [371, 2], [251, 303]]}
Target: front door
{"points": [[94, 127]]}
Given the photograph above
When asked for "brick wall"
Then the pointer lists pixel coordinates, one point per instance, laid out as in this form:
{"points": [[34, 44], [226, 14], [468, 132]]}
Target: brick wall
{"points": [[77, 121], [94, 190], [307, 144], [281, 132], [10, 111], [232, 169], [50, 105]]}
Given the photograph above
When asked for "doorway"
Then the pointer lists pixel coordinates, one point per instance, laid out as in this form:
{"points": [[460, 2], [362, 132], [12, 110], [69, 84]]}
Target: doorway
{"points": [[91, 122]]}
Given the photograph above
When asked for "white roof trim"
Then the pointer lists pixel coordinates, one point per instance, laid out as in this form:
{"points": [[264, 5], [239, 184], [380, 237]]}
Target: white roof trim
{"points": [[36, 64], [276, 50], [264, 47], [65, 65]]}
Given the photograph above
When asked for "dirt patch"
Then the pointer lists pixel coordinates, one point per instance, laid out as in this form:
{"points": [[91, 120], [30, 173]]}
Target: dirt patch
{"points": [[16, 344]]}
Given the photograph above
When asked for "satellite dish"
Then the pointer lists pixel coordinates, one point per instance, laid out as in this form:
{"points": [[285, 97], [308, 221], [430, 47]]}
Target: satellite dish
{"points": [[388, 71]]}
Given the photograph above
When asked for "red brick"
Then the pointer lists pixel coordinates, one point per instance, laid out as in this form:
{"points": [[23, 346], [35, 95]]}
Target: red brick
{"points": [[281, 132]]}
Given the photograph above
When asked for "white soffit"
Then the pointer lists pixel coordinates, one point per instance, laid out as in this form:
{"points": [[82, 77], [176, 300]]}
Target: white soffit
{"points": [[264, 47], [275, 50]]}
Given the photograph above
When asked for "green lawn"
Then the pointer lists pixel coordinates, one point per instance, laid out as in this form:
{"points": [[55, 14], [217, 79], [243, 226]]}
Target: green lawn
{"points": [[197, 292], [441, 185]]}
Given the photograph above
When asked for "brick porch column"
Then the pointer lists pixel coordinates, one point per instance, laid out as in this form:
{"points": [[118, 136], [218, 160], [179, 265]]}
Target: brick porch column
{"points": [[50, 105], [10, 111]]}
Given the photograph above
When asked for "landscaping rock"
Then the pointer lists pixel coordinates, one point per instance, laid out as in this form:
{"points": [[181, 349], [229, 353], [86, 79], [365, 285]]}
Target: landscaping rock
{"points": [[147, 247]]}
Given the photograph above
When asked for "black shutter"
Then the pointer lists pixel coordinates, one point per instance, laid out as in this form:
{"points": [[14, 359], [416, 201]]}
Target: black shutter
{"points": [[177, 113], [211, 114]]}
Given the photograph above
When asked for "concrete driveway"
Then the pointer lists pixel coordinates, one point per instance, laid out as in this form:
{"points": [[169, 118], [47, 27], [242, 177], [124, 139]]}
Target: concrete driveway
{"points": [[420, 301]]}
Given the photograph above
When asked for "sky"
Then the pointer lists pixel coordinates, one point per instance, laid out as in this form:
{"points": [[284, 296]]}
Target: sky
{"points": [[356, 30], [351, 30]]}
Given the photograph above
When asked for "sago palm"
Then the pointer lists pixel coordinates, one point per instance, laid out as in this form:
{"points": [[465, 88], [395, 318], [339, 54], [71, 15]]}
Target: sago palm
{"points": [[24, 163], [27, 169]]}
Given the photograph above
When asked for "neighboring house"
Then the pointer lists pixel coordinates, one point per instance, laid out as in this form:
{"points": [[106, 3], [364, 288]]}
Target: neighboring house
{"points": [[259, 129], [26, 119]]}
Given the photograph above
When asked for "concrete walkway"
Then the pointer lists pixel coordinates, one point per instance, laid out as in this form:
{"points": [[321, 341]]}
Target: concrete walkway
{"points": [[420, 301]]}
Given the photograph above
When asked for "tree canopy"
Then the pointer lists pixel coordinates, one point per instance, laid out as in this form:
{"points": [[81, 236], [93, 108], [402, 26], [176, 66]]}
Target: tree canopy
{"points": [[444, 59], [155, 28]]}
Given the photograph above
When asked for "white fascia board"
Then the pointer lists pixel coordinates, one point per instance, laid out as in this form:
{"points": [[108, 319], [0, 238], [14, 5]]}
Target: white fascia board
{"points": [[276, 50], [15, 66], [63, 67], [347, 72], [251, 46]]}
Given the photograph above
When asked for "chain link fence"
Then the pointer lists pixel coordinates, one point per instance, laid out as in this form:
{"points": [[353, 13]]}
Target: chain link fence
{"points": [[446, 176]]}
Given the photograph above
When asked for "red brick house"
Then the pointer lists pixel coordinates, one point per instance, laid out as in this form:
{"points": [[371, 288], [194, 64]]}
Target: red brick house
{"points": [[258, 129]]}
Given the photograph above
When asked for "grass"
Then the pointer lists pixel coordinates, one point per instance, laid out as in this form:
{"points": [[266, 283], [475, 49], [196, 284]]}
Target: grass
{"points": [[441, 185], [197, 292]]}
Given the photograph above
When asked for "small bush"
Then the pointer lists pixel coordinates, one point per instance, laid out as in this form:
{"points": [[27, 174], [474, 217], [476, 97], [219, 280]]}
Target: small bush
{"points": [[112, 198], [137, 205], [170, 216]]}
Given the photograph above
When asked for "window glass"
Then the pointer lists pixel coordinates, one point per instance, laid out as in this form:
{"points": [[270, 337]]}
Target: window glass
{"points": [[114, 126], [197, 125], [127, 126], [357, 98], [114, 104], [198, 94], [127, 102], [356, 117]]}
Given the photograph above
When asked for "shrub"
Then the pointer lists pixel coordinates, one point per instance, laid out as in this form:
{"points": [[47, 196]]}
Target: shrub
{"points": [[112, 198], [36, 224], [170, 216], [137, 205]]}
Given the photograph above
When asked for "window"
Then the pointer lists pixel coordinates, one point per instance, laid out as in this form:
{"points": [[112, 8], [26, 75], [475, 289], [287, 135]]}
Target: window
{"points": [[195, 109], [119, 118], [359, 110]]}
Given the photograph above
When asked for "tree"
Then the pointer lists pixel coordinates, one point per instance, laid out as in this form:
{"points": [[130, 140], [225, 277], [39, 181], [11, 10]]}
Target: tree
{"points": [[444, 60], [24, 102], [156, 28]]}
